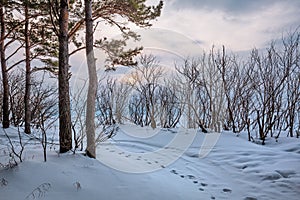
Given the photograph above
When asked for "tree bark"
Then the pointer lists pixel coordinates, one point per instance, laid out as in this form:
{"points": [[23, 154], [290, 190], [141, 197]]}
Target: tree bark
{"points": [[152, 117], [65, 131], [5, 101], [28, 73], [92, 88]]}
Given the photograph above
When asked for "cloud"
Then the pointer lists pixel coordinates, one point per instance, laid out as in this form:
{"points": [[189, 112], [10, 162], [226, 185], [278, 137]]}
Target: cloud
{"points": [[229, 6], [240, 25]]}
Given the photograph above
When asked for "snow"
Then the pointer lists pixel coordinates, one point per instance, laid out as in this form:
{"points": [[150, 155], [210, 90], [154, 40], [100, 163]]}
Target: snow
{"points": [[164, 165]]}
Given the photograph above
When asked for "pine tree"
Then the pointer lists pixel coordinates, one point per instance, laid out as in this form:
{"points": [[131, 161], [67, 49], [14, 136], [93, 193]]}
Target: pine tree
{"points": [[9, 33], [65, 133], [5, 102], [134, 11], [92, 89]]}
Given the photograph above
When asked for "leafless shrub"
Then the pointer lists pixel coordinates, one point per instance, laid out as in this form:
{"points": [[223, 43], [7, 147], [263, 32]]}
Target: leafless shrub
{"points": [[106, 133], [16, 96], [43, 102], [43, 98], [78, 107], [15, 148], [105, 102]]}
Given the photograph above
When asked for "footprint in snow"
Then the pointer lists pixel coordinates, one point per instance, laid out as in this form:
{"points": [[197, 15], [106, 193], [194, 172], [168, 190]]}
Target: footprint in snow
{"points": [[204, 185], [191, 177], [250, 198], [226, 190]]}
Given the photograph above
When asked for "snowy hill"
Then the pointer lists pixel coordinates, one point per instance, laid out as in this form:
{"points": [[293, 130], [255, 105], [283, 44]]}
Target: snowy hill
{"points": [[165, 165]]}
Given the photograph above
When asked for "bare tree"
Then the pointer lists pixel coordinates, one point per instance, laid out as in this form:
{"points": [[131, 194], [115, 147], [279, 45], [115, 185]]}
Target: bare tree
{"points": [[170, 105], [237, 89], [137, 109], [268, 83], [122, 92], [188, 73], [78, 108], [105, 102], [289, 59], [146, 78], [204, 91]]}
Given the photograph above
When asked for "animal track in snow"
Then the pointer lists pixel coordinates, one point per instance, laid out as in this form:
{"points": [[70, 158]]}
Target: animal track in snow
{"points": [[226, 190]]}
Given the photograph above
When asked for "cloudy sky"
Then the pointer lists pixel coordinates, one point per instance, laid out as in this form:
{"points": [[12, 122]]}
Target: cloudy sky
{"points": [[187, 27], [238, 24]]}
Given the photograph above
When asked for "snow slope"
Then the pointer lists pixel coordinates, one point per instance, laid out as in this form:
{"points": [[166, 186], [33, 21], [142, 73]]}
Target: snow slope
{"points": [[140, 163]]}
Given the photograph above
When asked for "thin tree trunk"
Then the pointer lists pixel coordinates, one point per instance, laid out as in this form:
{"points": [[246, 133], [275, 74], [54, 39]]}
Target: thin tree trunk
{"points": [[92, 89], [65, 131], [152, 117], [5, 101], [28, 74]]}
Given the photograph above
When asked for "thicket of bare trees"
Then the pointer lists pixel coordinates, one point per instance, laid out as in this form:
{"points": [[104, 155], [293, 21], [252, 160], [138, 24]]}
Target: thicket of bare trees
{"points": [[43, 101], [259, 94], [217, 91]]}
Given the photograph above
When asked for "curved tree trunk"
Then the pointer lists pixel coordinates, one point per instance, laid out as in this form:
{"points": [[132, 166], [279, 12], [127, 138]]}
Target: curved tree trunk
{"points": [[92, 88]]}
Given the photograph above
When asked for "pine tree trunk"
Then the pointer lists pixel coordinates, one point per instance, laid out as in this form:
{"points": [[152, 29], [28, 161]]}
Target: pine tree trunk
{"points": [[5, 101], [28, 74], [92, 88], [65, 133]]}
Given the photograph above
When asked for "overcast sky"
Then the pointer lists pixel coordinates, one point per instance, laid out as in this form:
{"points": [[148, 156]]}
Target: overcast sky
{"points": [[187, 27], [237, 24]]}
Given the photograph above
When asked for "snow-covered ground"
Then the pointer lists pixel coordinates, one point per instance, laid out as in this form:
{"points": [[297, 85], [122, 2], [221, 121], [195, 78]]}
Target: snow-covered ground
{"points": [[139, 163]]}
